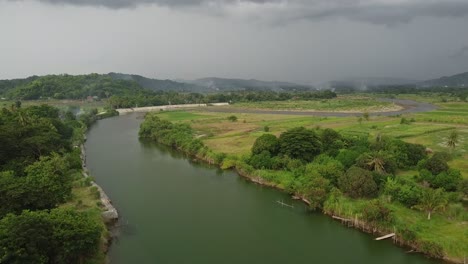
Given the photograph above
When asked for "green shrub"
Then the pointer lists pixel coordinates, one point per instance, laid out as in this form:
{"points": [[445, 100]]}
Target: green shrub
{"points": [[442, 155], [219, 157], [95, 192], [407, 234], [261, 161], [357, 183], [326, 167], [376, 211], [431, 248], [457, 211], [405, 121], [436, 165], [347, 157], [406, 194], [266, 142], [87, 181], [449, 180], [232, 118], [463, 187]]}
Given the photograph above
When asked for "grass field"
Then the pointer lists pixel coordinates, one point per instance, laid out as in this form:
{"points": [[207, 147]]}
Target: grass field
{"points": [[429, 129], [343, 104]]}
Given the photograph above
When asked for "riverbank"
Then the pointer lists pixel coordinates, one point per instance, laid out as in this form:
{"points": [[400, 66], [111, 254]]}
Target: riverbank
{"points": [[108, 213], [356, 223], [410, 226]]}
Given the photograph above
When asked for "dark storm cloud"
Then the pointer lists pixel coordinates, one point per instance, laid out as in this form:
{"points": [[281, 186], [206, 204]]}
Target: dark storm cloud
{"points": [[116, 4], [387, 12]]}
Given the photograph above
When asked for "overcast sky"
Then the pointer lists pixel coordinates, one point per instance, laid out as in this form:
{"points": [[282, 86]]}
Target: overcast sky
{"points": [[291, 40]]}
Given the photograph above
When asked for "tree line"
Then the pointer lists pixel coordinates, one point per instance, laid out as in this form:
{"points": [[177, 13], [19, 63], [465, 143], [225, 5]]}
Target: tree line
{"points": [[172, 98], [123, 93], [39, 165]]}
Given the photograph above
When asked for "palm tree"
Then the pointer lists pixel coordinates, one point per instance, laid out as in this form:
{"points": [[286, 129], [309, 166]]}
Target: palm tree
{"points": [[375, 162], [23, 118], [432, 201], [452, 139]]}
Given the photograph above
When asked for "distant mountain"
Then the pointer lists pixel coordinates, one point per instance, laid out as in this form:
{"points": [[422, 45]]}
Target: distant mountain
{"points": [[158, 85], [365, 83], [458, 80], [222, 84]]}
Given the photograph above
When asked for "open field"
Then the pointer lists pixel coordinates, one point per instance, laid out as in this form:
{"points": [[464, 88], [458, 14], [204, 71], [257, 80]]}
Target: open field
{"points": [[349, 104], [429, 129]]}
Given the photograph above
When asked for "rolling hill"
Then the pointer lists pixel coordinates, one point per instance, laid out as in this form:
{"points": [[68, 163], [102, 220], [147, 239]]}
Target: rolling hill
{"points": [[158, 85], [457, 80], [223, 84]]}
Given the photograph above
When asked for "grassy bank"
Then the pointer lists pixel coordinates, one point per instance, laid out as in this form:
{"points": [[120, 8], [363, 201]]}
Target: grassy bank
{"points": [[215, 139], [85, 197]]}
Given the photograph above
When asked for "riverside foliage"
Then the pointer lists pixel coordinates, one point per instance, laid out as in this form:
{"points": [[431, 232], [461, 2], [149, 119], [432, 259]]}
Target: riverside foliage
{"points": [[38, 169], [345, 174]]}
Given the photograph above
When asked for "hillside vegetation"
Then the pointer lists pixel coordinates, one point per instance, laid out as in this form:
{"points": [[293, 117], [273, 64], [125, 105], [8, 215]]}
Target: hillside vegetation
{"points": [[49, 212], [68, 87]]}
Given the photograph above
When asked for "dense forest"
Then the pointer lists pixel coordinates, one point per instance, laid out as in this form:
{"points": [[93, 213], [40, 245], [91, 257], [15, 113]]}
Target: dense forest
{"points": [[332, 171], [128, 92], [39, 166], [124, 91], [68, 87]]}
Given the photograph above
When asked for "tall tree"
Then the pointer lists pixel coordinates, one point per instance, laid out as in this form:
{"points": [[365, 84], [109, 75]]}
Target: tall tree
{"points": [[357, 183], [432, 201], [266, 142], [300, 143], [452, 140]]}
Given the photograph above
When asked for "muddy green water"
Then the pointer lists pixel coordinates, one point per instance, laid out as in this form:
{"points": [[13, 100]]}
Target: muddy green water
{"points": [[177, 211]]}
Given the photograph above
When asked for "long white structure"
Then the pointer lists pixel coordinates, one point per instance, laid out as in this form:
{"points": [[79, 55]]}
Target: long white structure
{"points": [[123, 111]]}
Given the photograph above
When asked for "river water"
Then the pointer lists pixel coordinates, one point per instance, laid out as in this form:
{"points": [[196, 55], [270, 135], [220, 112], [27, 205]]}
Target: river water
{"points": [[176, 211]]}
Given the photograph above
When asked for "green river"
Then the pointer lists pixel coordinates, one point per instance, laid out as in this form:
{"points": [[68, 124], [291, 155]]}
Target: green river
{"points": [[174, 210]]}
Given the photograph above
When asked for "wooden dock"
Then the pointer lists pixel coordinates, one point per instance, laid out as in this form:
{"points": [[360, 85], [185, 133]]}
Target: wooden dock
{"points": [[341, 219], [284, 204], [386, 236]]}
